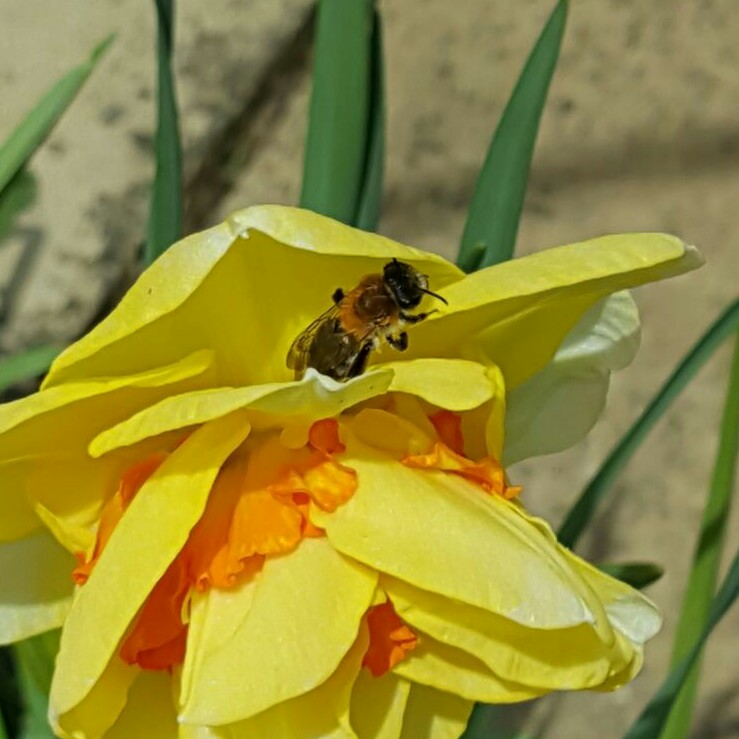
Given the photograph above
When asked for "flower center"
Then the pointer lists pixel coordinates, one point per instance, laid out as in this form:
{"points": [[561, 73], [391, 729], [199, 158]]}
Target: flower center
{"points": [[258, 507]]}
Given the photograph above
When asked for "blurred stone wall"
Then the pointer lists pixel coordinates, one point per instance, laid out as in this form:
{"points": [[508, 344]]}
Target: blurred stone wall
{"points": [[641, 132]]}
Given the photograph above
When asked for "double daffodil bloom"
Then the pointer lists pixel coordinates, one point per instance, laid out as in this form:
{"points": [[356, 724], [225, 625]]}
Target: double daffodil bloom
{"points": [[258, 556]]}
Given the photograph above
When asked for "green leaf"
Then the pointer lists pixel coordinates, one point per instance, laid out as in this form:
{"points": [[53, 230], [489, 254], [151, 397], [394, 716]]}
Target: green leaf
{"points": [[34, 659], [370, 196], [653, 718], [18, 195], [492, 222], [165, 216], [338, 125], [707, 558], [37, 125], [581, 513], [25, 365], [636, 574]]}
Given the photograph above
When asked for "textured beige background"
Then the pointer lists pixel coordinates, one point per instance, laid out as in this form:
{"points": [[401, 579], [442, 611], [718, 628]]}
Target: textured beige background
{"points": [[641, 132]]}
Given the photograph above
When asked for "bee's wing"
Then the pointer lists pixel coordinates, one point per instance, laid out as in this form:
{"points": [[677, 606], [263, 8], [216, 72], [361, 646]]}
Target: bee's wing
{"points": [[326, 346], [300, 351]]}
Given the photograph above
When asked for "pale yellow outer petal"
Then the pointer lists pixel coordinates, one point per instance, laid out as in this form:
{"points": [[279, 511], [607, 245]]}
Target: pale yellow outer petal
{"points": [[245, 288], [515, 314], [556, 407], [413, 523], [378, 705], [630, 611], [144, 543], [44, 437], [322, 713], [451, 670], [314, 397], [149, 711], [302, 619], [35, 586], [434, 714], [554, 659]]}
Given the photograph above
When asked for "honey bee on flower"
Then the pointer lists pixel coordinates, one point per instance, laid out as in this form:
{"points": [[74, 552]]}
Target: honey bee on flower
{"points": [[339, 342], [253, 555]]}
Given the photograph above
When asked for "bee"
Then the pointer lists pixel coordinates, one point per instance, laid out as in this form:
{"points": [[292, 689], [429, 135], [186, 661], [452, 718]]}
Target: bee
{"points": [[340, 341]]}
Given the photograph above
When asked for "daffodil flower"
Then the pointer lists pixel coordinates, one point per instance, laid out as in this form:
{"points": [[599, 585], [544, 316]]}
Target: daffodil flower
{"points": [[258, 556]]}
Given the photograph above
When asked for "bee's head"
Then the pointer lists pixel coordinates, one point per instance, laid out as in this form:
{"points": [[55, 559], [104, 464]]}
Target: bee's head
{"points": [[406, 284]]}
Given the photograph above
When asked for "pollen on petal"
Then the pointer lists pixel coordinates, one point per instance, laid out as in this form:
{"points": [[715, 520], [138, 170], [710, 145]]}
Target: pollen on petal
{"points": [[390, 639]]}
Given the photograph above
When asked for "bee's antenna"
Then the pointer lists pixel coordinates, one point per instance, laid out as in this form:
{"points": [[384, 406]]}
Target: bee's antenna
{"points": [[434, 295]]}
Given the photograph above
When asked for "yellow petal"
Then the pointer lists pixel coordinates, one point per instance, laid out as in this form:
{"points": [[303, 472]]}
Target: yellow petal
{"points": [[303, 619], [556, 659], [322, 713], [144, 543], [35, 586], [378, 705], [245, 288], [72, 537], [518, 312], [44, 437], [445, 535], [314, 397], [451, 670], [100, 708], [433, 714], [149, 711], [454, 384]]}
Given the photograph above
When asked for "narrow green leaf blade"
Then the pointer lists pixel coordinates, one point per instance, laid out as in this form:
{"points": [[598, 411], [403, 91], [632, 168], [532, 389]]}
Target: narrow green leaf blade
{"points": [[370, 196], [636, 574], [34, 658], [492, 221], [653, 718], [165, 216], [19, 194], [707, 558], [336, 145], [583, 510], [37, 125], [25, 365]]}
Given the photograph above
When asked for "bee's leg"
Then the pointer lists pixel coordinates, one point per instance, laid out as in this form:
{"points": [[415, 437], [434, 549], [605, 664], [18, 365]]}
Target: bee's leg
{"points": [[411, 319], [338, 295], [399, 342], [359, 365]]}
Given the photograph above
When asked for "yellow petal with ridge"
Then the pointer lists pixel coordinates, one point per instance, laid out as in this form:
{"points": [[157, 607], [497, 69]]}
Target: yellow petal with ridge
{"points": [[274, 404]]}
